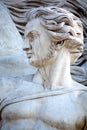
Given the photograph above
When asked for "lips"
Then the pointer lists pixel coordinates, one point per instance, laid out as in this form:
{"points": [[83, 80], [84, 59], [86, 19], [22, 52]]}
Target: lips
{"points": [[29, 55]]}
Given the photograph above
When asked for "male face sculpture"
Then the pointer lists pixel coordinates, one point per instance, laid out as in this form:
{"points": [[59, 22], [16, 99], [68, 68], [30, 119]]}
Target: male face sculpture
{"points": [[38, 44], [52, 100], [48, 30]]}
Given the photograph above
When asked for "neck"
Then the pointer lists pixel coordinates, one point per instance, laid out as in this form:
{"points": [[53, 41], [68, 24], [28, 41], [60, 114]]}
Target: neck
{"points": [[57, 75], [60, 70]]}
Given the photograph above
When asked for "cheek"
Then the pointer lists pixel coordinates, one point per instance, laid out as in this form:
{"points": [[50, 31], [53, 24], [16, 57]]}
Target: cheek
{"points": [[44, 50], [35, 47], [44, 47], [41, 48]]}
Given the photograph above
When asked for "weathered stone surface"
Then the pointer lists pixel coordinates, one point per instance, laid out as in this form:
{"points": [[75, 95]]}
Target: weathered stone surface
{"points": [[79, 8], [10, 39], [13, 62], [51, 99], [12, 59]]}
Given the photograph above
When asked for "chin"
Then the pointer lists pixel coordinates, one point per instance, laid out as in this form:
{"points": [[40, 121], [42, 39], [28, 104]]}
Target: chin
{"points": [[36, 63], [42, 62]]}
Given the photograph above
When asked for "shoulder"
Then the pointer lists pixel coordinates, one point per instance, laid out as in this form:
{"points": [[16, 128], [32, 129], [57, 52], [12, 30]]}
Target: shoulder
{"points": [[25, 89], [80, 95], [83, 99], [17, 87], [22, 93], [6, 85]]}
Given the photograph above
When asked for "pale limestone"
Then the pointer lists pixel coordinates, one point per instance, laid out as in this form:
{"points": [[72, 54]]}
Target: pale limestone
{"points": [[13, 62], [10, 39], [79, 8], [51, 99]]}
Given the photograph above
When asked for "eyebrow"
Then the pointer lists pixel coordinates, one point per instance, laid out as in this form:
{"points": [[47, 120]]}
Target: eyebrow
{"points": [[33, 33]]}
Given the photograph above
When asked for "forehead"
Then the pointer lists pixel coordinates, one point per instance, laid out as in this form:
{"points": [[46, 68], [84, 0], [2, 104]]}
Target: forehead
{"points": [[34, 25]]}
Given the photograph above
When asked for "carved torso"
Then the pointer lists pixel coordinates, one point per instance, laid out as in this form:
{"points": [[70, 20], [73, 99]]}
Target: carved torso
{"points": [[58, 112]]}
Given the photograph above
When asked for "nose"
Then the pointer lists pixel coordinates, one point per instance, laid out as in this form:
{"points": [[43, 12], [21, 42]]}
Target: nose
{"points": [[26, 46], [25, 49]]}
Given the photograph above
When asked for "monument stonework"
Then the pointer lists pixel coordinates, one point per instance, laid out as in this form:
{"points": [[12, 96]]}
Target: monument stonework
{"points": [[41, 93]]}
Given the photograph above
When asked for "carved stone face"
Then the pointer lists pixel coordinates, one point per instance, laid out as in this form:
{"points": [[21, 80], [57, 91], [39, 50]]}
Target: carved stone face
{"points": [[37, 44]]}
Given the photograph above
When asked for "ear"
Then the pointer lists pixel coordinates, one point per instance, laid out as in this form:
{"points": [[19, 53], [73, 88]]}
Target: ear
{"points": [[59, 45]]}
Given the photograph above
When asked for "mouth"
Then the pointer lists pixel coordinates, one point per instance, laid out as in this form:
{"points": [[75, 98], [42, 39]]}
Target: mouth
{"points": [[29, 55]]}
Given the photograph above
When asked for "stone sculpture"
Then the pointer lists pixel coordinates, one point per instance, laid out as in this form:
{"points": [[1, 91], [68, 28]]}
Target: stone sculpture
{"points": [[52, 100], [18, 10]]}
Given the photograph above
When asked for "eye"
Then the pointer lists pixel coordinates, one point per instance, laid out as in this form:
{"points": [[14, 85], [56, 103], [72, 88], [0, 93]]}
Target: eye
{"points": [[33, 35], [79, 34], [31, 38]]}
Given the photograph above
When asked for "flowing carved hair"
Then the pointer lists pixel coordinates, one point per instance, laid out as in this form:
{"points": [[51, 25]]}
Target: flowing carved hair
{"points": [[61, 25]]}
